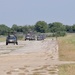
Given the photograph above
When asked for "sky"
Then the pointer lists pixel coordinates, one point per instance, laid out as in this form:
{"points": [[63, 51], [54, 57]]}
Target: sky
{"points": [[28, 12]]}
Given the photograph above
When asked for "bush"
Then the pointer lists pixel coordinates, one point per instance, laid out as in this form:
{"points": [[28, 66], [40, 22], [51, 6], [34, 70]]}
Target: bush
{"points": [[60, 33]]}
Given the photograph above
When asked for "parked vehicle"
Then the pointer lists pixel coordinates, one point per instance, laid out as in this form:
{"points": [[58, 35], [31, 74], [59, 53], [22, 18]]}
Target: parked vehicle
{"points": [[11, 39], [29, 36], [40, 37]]}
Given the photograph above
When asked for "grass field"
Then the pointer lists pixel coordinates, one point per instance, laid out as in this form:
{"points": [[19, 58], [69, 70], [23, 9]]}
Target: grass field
{"points": [[3, 38], [67, 69], [67, 53], [67, 47]]}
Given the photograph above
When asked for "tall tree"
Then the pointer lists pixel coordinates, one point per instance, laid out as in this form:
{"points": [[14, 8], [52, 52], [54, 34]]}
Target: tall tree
{"points": [[41, 26], [73, 27], [69, 28], [14, 27], [56, 26], [4, 29]]}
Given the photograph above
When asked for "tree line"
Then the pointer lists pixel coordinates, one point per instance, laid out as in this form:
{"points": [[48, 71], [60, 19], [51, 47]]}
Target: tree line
{"points": [[40, 26]]}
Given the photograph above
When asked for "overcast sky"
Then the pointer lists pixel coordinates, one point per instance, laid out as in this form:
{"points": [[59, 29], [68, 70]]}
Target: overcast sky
{"points": [[22, 12]]}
